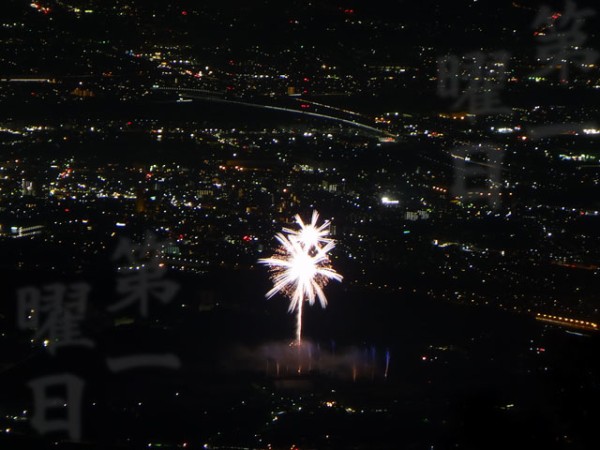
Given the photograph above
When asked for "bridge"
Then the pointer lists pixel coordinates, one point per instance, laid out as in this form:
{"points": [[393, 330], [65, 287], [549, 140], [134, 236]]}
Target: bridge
{"points": [[567, 322], [213, 96]]}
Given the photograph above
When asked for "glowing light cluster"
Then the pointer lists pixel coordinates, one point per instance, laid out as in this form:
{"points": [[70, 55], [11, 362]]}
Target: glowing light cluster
{"points": [[300, 267]]}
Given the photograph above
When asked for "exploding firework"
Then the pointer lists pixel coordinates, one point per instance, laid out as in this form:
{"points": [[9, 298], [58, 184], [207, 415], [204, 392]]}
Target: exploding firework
{"points": [[310, 236], [301, 267]]}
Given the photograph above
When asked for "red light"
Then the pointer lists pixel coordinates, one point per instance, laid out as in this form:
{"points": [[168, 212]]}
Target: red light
{"points": [[184, 13], [304, 106], [247, 238], [67, 210], [306, 80]]}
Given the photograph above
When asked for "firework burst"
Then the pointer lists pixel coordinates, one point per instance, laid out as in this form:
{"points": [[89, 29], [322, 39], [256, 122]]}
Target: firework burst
{"points": [[301, 267], [310, 235]]}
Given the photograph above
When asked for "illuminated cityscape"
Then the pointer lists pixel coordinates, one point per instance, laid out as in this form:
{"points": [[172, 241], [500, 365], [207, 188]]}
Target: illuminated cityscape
{"points": [[151, 150]]}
